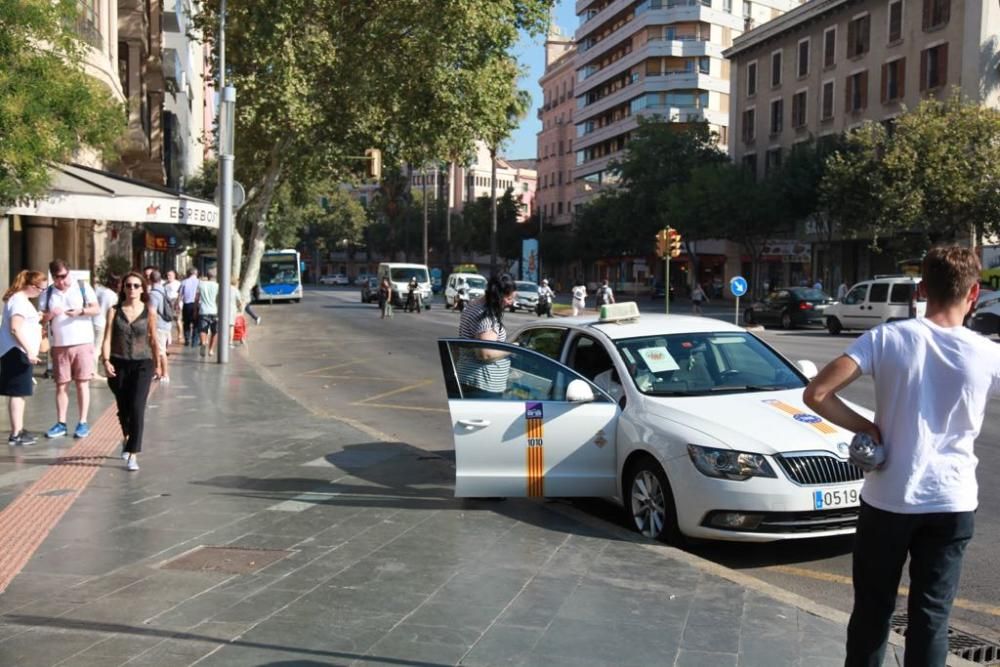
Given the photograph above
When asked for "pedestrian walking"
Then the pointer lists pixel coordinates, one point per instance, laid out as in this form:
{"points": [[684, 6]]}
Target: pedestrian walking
{"points": [[841, 291], [933, 378], [159, 303], [208, 312], [483, 373], [172, 287], [698, 297], [818, 285], [605, 295], [20, 344], [131, 359], [385, 298], [69, 309], [107, 296], [189, 307], [579, 297]]}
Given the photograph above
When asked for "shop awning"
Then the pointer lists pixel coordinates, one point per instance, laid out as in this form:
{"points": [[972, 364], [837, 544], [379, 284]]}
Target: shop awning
{"points": [[91, 194]]}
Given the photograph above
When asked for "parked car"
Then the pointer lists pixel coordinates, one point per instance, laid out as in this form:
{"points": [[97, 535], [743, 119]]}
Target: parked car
{"points": [[873, 302], [334, 279], [694, 425], [369, 291], [985, 315], [526, 296], [790, 307], [362, 279], [658, 294]]}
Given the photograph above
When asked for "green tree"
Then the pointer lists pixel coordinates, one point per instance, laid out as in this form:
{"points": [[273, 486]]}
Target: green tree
{"points": [[49, 108], [321, 80]]}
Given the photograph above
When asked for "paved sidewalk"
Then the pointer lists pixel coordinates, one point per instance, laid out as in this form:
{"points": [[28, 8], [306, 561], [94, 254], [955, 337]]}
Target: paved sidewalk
{"points": [[366, 558]]}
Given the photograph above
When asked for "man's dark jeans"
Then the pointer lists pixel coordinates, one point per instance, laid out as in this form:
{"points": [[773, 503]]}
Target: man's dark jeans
{"points": [[935, 543]]}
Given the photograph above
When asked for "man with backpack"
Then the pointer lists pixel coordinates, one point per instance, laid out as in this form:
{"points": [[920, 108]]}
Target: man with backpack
{"points": [[68, 307], [605, 295], [164, 319]]}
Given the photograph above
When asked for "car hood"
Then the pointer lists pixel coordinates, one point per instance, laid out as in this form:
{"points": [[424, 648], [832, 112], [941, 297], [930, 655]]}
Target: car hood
{"points": [[766, 422]]}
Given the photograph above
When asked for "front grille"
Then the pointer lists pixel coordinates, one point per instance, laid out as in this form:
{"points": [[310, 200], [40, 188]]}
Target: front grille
{"points": [[794, 522], [818, 469]]}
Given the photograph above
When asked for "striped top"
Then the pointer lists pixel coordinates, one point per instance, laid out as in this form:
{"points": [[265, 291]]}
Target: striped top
{"points": [[472, 371]]}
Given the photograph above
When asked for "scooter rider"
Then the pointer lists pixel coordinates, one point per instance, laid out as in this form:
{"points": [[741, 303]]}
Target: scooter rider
{"points": [[545, 298], [413, 295]]}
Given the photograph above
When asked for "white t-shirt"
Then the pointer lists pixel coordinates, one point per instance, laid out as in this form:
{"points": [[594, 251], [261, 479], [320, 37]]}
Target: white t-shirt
{"points": [[105, 299], [932, 385], [173, 290], [68, 330], [580, 293], [31, 332]]}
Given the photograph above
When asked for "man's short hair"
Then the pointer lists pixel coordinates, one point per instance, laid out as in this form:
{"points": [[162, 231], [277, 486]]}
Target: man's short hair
{"points": [[949, 272], [154, 276], [192, 271], [57, 266], [211, 274]]}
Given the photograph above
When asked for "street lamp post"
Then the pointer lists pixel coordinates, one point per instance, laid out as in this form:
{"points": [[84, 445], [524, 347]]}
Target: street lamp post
{"points": [[224, 250]]}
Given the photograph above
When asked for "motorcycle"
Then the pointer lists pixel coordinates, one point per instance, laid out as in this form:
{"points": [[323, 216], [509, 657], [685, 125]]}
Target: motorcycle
{"points": [[461, 299], [413, 301], [544, 306]]}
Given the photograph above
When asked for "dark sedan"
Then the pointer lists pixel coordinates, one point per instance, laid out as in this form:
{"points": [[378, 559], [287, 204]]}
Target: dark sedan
{"points": [[369, 290], [790, 307]]}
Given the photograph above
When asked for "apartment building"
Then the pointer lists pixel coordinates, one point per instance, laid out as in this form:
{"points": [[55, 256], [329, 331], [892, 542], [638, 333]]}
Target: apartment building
{"points": [[555, 139], [185, 105], [829, 65], [652, 57]]}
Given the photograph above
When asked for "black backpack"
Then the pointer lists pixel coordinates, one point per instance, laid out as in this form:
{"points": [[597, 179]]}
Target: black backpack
{"points": [[163, 310]]}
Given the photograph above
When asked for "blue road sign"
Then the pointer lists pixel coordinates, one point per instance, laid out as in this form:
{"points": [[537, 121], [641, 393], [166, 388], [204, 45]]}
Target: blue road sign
{"points": [[738, 286]]}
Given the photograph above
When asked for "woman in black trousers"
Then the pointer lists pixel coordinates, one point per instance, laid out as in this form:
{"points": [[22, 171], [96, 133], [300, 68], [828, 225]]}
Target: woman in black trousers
{"points": [[131, 357]]}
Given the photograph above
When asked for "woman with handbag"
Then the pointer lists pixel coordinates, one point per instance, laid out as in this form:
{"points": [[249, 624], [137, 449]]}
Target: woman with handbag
{"points": [[20, 344], [131, 358]]}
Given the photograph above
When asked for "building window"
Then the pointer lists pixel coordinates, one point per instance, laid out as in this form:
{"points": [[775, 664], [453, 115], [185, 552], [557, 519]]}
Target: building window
{"points": [[750, 163], [747, 7], [802, 66], [772, 160], [856, 92], [559, 210], [776, 69], [830, 47], [704, 64], [934, 67], [799, 109], [560, 178], [936, 13], [895, 21], [777, 115], [752, 79], [893, 80], [749, 128], [727, 6], [826, 108], [858, 36]]}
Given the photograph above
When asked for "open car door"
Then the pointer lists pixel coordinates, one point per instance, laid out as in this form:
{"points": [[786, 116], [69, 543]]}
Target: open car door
{"points": [[544, 431]]}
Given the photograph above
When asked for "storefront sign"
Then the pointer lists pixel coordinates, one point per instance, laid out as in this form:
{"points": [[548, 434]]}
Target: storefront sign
{"points": [[790, 251]]}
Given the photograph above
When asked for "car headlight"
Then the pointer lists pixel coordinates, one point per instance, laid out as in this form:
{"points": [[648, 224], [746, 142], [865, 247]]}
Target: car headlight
{"points": [[729, 464]]}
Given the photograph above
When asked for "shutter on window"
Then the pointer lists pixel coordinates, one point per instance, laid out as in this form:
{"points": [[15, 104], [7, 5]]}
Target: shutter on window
{"points": [[847, 95], [864, 89], [852, 35], [885, 82], [923, 70], [866, 33], [901, 78], [945, 11], [928, 10], [943, 65]]}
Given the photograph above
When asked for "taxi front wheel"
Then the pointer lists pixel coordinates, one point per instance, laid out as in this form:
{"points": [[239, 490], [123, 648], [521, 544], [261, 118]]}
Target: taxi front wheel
{"points": [[650, 502]]}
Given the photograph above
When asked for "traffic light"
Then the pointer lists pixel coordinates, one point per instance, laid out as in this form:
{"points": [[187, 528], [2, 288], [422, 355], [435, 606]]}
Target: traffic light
{"points": [[674, 242], [374, 157], [661, 243]]}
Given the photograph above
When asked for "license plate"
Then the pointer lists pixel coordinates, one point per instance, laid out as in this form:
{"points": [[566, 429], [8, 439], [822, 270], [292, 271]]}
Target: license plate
{"points": [[832, 498]]}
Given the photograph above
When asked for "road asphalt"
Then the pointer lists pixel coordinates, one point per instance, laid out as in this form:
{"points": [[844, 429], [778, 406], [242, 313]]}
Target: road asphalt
{"points": [[258, 533]]}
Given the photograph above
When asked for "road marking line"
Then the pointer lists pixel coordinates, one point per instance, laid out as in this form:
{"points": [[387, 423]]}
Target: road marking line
{"points": [[330, 368], [362, 377], [400, 390], [366, 404], [961, 603]]}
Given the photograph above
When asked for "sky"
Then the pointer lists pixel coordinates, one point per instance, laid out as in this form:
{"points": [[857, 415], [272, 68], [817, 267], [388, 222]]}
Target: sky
{"points": [[530, 53]]}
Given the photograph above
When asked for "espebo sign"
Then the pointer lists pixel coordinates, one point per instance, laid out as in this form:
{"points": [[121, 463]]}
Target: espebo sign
{"points": [[183, 212]]}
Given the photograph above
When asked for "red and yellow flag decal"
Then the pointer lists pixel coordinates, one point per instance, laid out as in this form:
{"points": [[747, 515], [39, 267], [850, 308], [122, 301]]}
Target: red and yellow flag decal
{"points": [[533, 418], [803, 417]]}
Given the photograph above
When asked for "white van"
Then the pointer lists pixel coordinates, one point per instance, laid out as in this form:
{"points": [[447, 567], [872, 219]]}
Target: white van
{"points": [[399, 275], [873, 302], [474, 283]]}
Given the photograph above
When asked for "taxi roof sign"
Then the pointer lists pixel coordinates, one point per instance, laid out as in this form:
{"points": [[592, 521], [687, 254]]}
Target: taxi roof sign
{"points": [[619, 312]]}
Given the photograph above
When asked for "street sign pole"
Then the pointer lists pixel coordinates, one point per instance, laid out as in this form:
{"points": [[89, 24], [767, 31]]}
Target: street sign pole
{"points": [[666, 283], [736, 315], [738, 286]]}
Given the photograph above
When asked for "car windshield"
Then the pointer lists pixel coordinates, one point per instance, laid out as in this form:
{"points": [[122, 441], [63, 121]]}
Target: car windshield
{"points": [[526, 287], [401, 275], [476, 283], [699, 364], [810, 294]]}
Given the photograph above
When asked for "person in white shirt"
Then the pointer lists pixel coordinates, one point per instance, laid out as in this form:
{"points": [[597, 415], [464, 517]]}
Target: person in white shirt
{"points": [[604, 295], [208, 312], [107, 296], [841, 291], [172, 287], [579, 298], [546, 297], [68, 306], [933, 379], [189, 307], [20, 340]]}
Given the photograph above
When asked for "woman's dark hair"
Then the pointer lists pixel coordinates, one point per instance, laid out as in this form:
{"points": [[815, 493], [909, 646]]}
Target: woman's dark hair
{"points": [[143, 293], [499, 286]]}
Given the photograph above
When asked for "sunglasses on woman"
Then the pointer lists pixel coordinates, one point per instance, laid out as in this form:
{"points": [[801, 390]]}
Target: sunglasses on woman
{"points": [[133, 285]]}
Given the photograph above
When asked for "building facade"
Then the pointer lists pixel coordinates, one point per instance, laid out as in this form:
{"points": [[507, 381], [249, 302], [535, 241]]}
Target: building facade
{"points": [[652, 58], [830, 65], [185, 104], [555, 139]]}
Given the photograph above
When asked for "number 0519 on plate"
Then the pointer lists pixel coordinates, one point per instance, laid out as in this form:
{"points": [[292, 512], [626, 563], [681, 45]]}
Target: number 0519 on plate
{"points": [[836, 498]]}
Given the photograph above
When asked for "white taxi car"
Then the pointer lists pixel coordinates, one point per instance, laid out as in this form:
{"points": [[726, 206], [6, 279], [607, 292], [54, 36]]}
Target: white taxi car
{"points": [[695, 426]]}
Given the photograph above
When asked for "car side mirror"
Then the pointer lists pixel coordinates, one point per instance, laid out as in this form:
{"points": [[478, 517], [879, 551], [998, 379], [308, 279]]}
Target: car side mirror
{"points": [[579, 391], [808, 368]]}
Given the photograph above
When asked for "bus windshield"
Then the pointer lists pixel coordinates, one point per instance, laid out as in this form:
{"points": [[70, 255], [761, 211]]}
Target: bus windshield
{"points": [[279, 270]]}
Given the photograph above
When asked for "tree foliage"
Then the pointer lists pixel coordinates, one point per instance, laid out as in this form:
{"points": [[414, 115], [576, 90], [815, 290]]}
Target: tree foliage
{"points": [[49, 108]]}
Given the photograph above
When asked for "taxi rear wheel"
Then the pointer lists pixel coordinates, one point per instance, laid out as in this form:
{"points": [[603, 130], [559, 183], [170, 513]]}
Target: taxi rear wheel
{"points": [[650, 502]]}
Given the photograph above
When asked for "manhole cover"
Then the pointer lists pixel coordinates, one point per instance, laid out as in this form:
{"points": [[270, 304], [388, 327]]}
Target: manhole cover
{"points": [[969, 647], [230, 560]]}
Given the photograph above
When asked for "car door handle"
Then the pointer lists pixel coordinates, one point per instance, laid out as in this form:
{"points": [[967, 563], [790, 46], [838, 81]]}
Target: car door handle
{"points": [[470, 424]]}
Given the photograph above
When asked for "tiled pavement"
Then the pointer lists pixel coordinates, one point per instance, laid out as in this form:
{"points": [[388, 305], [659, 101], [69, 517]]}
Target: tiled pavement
{"points": [[383, 565]]}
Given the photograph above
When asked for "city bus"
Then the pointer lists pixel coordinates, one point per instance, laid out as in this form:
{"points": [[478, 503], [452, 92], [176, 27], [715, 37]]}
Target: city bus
{"points": [[280, 277]]}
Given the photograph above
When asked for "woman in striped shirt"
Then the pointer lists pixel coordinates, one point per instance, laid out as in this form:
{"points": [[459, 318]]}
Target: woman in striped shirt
{"points": [[483, 372]]}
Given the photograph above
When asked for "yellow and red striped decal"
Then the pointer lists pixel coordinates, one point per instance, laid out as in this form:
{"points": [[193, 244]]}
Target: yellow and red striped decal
{"points": [[803, 417], [533, 420]]}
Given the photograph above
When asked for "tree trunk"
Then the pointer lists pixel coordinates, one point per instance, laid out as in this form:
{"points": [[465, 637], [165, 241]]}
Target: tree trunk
{"points": [[493, 210], [258, 232], [237, 263]]}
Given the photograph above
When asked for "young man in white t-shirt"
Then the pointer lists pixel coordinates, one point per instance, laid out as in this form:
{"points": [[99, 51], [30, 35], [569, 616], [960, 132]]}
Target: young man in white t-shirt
{"points": [[68, 308], [933, 378]]}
